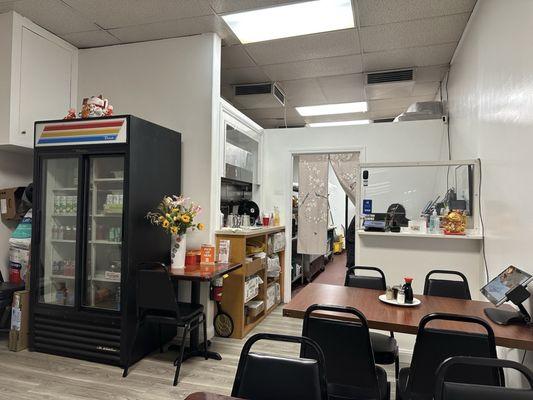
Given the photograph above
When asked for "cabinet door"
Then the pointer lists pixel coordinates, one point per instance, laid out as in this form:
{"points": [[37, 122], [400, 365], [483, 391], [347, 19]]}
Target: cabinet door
{"points": [[45, 84]]}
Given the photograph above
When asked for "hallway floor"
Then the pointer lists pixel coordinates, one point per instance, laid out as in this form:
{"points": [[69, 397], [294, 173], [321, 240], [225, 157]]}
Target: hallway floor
{"points": [[333, 274]]}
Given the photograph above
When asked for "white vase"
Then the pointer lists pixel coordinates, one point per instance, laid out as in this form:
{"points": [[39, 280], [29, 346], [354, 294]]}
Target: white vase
{"points": [[178, 249]]}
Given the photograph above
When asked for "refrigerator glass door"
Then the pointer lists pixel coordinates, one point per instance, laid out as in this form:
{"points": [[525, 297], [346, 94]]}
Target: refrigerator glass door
{"points": [[104, 233], [59, 209]]}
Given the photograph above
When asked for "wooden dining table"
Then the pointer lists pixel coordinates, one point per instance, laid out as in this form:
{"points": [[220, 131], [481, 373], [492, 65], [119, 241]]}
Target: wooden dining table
{"points": [[394, 318]]}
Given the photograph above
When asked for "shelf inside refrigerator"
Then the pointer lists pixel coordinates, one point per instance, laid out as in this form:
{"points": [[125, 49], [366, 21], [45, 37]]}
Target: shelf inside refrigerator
{"points": [[54, 276], [104, 257], [106, 242]]}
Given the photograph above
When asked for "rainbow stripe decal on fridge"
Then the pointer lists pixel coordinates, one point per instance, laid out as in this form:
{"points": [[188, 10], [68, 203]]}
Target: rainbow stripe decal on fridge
{"points": [[112, 130]]}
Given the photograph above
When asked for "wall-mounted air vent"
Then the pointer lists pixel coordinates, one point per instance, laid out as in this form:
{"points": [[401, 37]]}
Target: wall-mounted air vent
{"points": [[374, 78], [259, 95]]}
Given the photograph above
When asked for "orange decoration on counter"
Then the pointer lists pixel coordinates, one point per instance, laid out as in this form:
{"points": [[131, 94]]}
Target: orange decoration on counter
{"points": [[207, 255]]}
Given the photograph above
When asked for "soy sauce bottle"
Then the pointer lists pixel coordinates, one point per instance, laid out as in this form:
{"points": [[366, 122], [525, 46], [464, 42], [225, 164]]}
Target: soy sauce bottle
{"points": [[408, 290]]}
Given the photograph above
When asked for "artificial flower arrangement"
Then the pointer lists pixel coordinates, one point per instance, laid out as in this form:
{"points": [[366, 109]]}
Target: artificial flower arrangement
{"points": [[175, 214]]}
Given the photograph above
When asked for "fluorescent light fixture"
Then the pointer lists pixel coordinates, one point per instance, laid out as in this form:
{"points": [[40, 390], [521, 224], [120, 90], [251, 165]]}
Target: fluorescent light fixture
{"points": [[329, 109], [338, 123], [291, 20]]}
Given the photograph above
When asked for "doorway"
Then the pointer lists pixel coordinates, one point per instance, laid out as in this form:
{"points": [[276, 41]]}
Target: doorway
{"points": [[330, 265]]}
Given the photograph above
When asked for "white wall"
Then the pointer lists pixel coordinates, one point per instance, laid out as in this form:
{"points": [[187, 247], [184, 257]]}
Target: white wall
{"points": [[174, 83], [15, 170], [402, 141], [490, 93]]}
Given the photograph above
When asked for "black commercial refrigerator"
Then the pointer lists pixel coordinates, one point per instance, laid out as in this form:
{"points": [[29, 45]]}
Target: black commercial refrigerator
{"points": [[95, 179]]}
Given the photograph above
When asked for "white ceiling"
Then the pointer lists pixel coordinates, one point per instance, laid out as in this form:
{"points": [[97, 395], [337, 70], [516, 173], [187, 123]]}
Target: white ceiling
{"points": [[314, 69]]}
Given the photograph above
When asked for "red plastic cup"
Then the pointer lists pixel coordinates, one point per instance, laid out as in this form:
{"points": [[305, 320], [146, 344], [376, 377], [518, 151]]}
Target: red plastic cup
{"points": [[266, 221]]}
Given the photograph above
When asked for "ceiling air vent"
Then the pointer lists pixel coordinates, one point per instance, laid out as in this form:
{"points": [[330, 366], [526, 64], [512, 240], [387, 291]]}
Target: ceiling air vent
{"points": [[373, 78], [259, 95]]}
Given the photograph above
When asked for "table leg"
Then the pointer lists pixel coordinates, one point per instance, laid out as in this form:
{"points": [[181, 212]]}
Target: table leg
{"points": [[194, 350]]}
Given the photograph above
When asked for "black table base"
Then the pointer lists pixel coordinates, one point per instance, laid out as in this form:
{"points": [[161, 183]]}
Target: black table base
{"points": [[195, 350]]}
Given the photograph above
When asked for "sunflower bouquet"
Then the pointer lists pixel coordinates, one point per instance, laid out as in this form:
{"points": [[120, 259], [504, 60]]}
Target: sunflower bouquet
{"points": [[176, 214]]}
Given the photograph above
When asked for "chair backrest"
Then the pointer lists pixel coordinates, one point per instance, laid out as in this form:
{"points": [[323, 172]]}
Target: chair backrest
{"points": [[155, 291], [365, 281], [445, 287], [445, 390], [433, 346], [267, 377], [350, 367]]}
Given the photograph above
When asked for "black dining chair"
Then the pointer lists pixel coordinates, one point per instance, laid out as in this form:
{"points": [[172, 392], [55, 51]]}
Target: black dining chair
{"points": [[266, 377], [433, 346], [385, 346], [457, 289], [157, 303], [350, 368], [445, 390]]}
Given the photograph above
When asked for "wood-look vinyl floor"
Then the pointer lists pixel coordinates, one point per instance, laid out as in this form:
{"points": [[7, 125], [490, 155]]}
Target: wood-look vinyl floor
{"points": [[29, 375]]}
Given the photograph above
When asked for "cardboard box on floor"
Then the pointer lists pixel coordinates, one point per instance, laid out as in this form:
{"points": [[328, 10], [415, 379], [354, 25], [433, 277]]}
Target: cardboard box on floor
{"points": [[9, 200], [18, 335]]}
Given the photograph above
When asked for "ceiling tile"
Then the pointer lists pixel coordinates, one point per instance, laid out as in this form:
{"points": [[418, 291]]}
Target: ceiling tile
{"points": [[376, 12], [6, 6], [409, 57], [402, 103], [54, 15], [431, 74], [320, 45], [313, 68], [343, 89], [243, 75], [266, 113], [389, 90], [413, 33], [227, 6], [236, 57], [303, 92], [91, 39], [226, 91], [168, 29], [119, 13], [426, 88], [338, 117]]}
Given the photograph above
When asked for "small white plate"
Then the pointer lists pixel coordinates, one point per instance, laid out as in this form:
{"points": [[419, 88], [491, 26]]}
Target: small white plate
{"points": [[415, 302]]}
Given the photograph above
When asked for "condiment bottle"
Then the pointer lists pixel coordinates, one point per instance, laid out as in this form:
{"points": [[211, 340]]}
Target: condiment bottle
{"points": [[408, 290], [401, 297]]}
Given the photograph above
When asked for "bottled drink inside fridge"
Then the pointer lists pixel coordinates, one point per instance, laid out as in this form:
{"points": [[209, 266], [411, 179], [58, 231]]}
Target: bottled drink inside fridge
{"points": [[62, 204], [68, 205], [57, 204]]}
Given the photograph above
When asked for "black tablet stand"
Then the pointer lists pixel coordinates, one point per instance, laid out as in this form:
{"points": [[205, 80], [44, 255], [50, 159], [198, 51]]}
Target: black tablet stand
{"points": [[503, 317]]}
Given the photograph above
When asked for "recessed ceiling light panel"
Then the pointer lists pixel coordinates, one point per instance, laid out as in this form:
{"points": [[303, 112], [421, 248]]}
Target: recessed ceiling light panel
{"points": [[338, 123], [330, 109], [291, 20]]}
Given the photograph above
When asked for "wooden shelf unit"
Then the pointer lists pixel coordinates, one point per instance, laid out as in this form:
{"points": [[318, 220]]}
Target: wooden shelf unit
{"points": [[233, 297]]}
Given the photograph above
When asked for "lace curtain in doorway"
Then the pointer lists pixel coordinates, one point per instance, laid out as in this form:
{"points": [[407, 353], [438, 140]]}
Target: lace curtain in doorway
{"points": [[312, 203]]}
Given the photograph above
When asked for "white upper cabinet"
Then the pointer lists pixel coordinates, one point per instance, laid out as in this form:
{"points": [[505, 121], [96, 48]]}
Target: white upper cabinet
{"points": [[38, 79]]}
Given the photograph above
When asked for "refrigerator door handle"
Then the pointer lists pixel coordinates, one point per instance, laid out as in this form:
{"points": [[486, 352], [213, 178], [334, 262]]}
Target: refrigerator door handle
{"points": [[37, 222]]}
